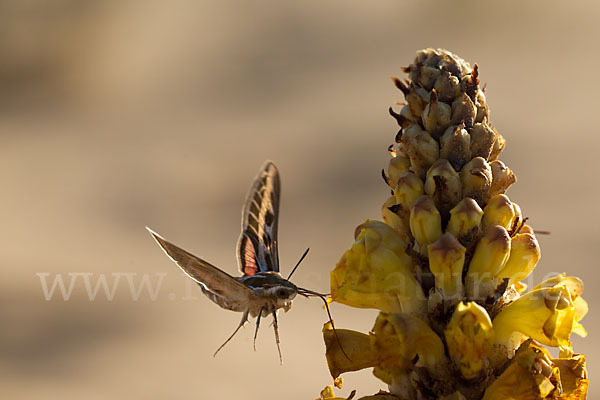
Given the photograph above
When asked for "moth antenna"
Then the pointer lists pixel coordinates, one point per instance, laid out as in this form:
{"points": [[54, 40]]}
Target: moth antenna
{"points": [[538, 232], [275, 327], [242, 322], [298, 263]]}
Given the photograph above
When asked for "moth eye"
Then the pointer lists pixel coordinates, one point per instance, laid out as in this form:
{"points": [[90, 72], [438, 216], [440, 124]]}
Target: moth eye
{"points": [[282, 294]]}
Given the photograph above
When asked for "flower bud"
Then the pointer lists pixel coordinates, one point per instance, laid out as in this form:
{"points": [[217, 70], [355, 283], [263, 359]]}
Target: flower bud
{"points": [[524, 255], [446, 260], [502, 177], [417, 99], [518, 216], [464, 111], [436, 116], [482, 140], [423, 150], [469, 336], [408, 189], [498, 211], [499, 144], [391, 213], [406, 117], [455, 146], [490, 255], [425, 221], [447, 86], [398, 165], [483, 110], [443, 185], [476, 177], [464, 219]]}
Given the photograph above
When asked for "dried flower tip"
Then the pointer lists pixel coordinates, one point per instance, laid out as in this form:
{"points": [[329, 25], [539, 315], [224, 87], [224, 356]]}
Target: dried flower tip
{"points": [[401, 85], [455, 146], [469, 336], [398, 117], [425, 221]]}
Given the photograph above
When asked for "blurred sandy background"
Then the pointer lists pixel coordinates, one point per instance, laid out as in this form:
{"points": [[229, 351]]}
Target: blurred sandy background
{"points": [[119, 114]]}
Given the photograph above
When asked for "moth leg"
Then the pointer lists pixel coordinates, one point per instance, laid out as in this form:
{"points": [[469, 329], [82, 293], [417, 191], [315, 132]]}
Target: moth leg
{"points": [[277, 336], [242, 322], [257, 325]]}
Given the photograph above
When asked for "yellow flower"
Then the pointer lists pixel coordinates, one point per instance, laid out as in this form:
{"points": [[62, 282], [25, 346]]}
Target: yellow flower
{"points": [[573, 377], [469, 336], [452, 254], [575, 286], [545, 315], [524, 255], [329, 394], [491, 253], [356, 351], [377, 273], [530, 376], [397, 340], [425, 221], [499, 211]]}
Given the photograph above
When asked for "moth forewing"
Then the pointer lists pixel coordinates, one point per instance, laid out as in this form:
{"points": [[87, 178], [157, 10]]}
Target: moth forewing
{"points": [[218, 285]]}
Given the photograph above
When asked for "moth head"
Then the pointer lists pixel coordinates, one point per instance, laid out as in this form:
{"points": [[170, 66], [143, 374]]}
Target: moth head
{"points": [[285, 293]]}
